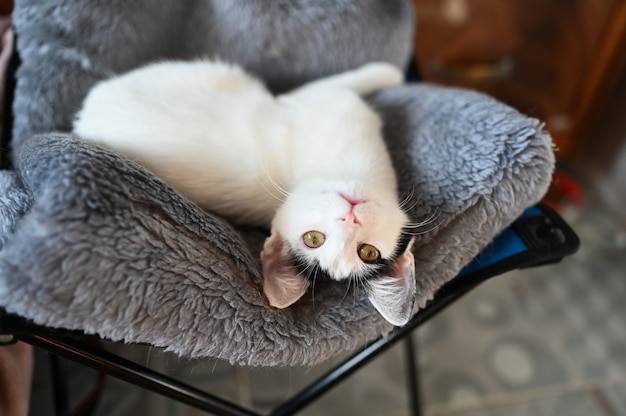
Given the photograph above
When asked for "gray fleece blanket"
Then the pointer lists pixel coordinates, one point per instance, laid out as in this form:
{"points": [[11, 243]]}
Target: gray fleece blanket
{"points": [[94, 242]]}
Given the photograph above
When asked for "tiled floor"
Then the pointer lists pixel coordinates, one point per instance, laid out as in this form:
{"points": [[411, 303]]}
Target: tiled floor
{"points": [[545, 341]]}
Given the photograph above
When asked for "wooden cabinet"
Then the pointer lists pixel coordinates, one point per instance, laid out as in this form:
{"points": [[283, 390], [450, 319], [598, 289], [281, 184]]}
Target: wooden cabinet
{"points": [[556, 60]]}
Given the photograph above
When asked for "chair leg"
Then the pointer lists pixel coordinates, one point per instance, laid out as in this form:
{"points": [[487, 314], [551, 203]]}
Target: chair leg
{"points": [[60, 392], [412, 375]]}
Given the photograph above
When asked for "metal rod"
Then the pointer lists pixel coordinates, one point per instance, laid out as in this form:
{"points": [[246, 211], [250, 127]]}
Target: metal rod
{"points": [[349, 366], [332, 378], [136, 374], [412, 372], [60, 391]]}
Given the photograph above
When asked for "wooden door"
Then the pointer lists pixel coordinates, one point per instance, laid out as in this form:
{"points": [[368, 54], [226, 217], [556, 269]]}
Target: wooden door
{"points": [[556, 60]]}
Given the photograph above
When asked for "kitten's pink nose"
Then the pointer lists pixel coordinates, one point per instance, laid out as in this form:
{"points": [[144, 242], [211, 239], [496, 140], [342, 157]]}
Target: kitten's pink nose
{"points": [[350, 217]]}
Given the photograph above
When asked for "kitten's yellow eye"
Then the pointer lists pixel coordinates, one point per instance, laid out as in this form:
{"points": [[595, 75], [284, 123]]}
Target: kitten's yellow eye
{"points": [[368, 253], [313, 239]]}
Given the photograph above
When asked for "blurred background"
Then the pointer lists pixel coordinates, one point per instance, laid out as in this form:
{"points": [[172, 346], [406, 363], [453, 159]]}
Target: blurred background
{"points": [[545, 341]]}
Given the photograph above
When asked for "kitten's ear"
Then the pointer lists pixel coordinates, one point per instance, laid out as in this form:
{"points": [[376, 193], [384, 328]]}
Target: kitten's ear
{"points": [[282, 283], [393, 296]]}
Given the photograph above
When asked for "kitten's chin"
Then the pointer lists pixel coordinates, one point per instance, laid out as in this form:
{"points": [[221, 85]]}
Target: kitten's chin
{"points": [[342, 272]]}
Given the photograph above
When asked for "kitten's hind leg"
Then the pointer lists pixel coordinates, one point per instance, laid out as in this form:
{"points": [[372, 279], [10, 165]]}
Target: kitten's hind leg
{"points": [[363, 80]]}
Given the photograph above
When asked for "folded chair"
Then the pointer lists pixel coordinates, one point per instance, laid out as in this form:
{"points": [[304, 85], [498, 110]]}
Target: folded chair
{"points": [[92, 244]]}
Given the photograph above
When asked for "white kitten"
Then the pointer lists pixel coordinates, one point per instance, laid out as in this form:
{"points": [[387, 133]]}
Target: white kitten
{"points": [[311, 164]]}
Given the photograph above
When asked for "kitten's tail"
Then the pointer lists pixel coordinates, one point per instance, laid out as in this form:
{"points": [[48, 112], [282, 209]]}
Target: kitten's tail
{"points": [[363, 80]]}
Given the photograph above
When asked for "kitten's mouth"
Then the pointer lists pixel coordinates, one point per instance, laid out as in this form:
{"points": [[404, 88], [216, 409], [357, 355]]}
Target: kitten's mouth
{"points": [[352, 201]]}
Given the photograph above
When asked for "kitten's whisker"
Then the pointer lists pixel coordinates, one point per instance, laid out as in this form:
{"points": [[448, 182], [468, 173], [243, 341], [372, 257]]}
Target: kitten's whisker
{"points": [[408, 208], [435, 215], [431, 218], [361, 282], [269, 191], [409, 202], [347, 291], [308, 270], [313, 285], [274, 184], [408, 198], [416, 233], [277, 186]]}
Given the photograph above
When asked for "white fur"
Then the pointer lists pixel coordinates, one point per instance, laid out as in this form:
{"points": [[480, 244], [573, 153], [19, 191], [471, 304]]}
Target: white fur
{"points": [[220, 138]]}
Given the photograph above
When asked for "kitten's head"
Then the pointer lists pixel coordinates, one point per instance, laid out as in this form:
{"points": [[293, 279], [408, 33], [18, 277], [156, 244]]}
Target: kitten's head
{"points": [[349, 231]]}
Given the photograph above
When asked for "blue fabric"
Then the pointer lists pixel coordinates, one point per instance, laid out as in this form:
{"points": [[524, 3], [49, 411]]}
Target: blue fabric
{"points": [[507, 244]]}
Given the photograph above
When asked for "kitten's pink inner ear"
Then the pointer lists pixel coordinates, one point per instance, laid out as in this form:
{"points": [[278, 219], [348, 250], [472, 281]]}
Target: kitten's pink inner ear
{"points": [[282, 283]]}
